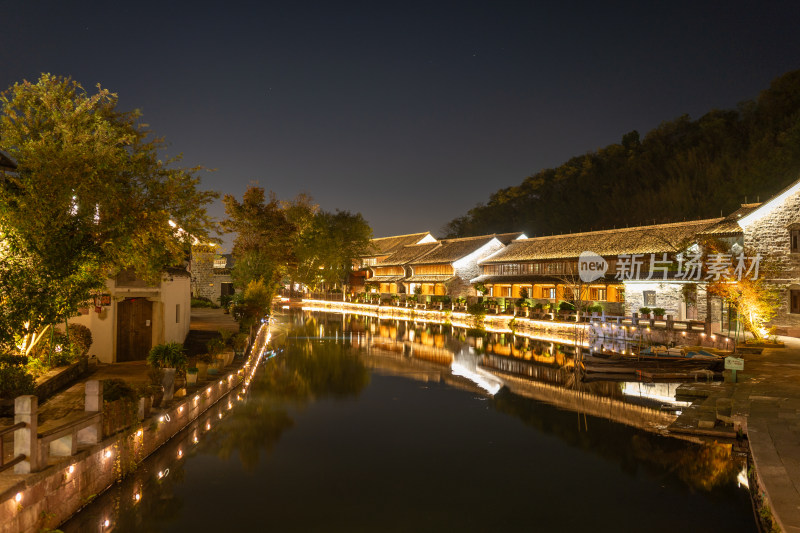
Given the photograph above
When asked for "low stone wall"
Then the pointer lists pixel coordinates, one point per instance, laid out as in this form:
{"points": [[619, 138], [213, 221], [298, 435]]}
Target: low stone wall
{"points": [[51, 385], [33, 502]]}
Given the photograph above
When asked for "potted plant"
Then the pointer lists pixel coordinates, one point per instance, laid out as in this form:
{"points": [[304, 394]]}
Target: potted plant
{"points": [[565, 309], [215, 347], [644, 312], [201, 362], [659, 313], [170, 358], [240, 343], [596, 309], [191, 376]]}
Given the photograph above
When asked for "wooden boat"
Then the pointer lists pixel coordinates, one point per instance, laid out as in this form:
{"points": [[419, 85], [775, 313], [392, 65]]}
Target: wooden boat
{"points": [[656, 362]]}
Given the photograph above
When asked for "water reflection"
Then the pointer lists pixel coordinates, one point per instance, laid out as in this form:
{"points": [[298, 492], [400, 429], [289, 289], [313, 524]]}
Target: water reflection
{"points": [[266, 452]]}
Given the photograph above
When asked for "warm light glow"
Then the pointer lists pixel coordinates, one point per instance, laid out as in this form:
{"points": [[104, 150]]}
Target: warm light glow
{"points": [[18, 497], [106, 523], [180, 454], [137, 497], [139, 433], [180, 409], [107, 454], [71, 469]]}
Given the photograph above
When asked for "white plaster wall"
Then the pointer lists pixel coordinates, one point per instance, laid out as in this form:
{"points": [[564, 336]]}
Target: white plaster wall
{"points": [[467, 268], [175, 292], [102, 326]]}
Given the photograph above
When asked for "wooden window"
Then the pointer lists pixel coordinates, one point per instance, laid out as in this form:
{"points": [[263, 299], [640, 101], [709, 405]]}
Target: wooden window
{"points": [[549, 293], [794, 301], [598, 294], [649, 298], [794, 241]]}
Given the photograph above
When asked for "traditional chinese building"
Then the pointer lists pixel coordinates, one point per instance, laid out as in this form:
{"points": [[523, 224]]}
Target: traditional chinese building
{"points": [[381, 248], [437, 268], [640, 269]]}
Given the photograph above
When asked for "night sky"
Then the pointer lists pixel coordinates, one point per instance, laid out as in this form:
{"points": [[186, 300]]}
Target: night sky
{"points": [[410, 113]]}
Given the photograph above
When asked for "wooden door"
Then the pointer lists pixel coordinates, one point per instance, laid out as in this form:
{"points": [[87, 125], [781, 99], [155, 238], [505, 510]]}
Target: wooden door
{"points": [[134, 329]]}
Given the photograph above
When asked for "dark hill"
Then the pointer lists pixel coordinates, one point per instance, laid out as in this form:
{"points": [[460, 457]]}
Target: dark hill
{"points": [[682, 169]]}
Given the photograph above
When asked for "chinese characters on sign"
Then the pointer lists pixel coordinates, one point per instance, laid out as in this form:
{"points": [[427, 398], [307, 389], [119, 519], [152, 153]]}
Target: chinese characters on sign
{"points": [[687, 267]]}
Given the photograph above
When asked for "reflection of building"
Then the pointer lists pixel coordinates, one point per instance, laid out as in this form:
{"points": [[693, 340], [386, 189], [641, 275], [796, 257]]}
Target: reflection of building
{"points": [[138, 316]]}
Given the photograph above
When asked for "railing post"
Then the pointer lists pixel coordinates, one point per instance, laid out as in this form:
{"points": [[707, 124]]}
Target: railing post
{"points": [[93, 403], [26, 440]]}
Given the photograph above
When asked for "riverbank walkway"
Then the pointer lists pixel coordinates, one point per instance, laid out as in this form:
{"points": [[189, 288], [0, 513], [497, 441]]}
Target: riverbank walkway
{"points": [[768, 401], [70, 401]]}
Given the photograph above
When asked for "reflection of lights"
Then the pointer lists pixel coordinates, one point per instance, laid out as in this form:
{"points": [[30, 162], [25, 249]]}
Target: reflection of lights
{"points": [[71, 469], [208, 390], [483, 380], [139, 433], [107, 454], [180, 409], [137, 497], [741, 478], [661, 392], [18, 497], [180, 453], [220, 416], [208, 425], [195, 440], [106, 522]]}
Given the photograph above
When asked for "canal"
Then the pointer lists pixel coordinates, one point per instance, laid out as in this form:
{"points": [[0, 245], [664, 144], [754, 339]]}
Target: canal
{"points": [[361, 424]]}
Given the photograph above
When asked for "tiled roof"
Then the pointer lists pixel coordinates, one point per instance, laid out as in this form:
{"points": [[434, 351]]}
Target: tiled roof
{"points": [[389, 245], [453, 249], [637, 240], [507, 238], [730, 225], [407, 254]]}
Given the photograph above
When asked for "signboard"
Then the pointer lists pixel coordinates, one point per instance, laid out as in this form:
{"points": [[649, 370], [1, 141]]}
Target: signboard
{"points": [[734, 363]]}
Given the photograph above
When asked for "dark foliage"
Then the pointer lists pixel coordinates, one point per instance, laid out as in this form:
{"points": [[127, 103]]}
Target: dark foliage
{"points": [[683, 169]]}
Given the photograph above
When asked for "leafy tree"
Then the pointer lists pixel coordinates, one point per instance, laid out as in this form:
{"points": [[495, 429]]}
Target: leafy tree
{"points": [[327, 249], [264, 245], [90, 197]]}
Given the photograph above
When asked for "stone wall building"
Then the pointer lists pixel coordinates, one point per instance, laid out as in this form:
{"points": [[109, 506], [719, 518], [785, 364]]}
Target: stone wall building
{"points": [[772, 230]]}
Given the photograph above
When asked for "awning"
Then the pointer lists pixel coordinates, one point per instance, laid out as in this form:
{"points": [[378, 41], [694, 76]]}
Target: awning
{"points": [[430, 278], [384, 279]]}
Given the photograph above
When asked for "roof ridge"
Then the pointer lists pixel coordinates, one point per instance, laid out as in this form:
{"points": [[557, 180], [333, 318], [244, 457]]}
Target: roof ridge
{"points": [[404, 235], [631, 228]]}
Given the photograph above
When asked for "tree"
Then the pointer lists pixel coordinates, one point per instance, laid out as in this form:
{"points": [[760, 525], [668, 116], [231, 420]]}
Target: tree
{"points": [[265, 240], [327, 249], [89, 198]]}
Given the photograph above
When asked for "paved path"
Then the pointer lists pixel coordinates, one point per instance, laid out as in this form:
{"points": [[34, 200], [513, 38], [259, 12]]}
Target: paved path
{"points": [[769, 400]]}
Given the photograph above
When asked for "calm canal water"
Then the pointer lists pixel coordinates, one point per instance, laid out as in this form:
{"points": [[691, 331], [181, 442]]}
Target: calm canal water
{"points": [[368, 425]]}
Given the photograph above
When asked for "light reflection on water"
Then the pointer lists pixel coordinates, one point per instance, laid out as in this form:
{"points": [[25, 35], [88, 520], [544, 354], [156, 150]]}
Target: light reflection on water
{"points": [[361, 424]]}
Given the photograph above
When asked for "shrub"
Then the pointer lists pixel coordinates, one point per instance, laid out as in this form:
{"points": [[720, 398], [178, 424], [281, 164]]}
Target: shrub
{"points": [[566, 306], [538, 306], [81, 338], [595, 308], [114, 389], [20, 360], [476, 309], [240, 342], [644, 310], [200, 301], [659, 311], [15, 381]]}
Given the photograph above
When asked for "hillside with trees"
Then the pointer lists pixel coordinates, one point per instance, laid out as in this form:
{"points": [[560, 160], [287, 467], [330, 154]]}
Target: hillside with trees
{"points": [[683, 169]]}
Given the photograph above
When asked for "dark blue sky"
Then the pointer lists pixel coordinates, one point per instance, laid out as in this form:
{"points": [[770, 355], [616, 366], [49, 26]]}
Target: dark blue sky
{"points": [[410, 113]]}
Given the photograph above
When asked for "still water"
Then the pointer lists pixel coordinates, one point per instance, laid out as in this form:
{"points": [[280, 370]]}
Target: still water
{"points": [[361, 424]]}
